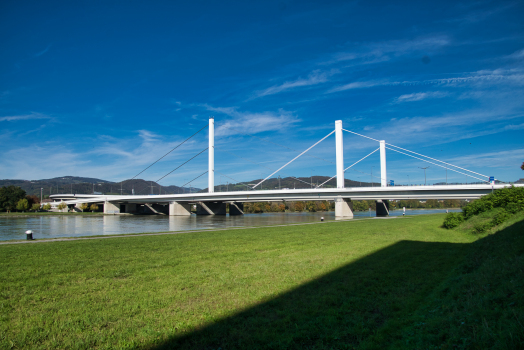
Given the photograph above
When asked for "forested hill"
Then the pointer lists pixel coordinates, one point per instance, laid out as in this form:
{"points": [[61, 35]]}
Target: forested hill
{"points": [[290, 183], [86, 185]]}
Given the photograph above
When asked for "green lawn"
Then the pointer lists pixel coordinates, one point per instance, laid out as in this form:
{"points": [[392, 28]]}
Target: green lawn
{"points": [[398, 283]]}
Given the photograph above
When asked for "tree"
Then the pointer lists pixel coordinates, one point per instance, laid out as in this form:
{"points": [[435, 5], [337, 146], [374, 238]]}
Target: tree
{"points": [[84, 206], [9, 197], [32, 199], [93, 207], [35, 207], [299, 206], [61, 206], [46, 206], [22, 204]]}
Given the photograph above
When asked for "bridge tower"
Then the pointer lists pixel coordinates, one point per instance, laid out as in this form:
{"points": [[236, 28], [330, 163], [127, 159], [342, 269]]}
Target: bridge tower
{"points": [[211, 150], [343, 206], [383, 176], [340, 153]]}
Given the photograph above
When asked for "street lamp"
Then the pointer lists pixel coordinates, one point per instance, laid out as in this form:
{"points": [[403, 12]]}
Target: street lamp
{"points": [[409, 182], [372, 175], [41, 195], [424, 174]]}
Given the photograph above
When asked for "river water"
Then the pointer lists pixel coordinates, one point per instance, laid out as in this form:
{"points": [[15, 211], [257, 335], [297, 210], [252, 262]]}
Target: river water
{"points": [[55, 226]]}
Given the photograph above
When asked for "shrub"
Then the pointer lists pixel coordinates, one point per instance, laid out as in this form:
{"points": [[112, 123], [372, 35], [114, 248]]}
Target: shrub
{"points": [[511, 198], [482, 227], [22, 204], [514, 208], [500, 218], [93, 207], [61, 206], [476, 207], [453, 220], [46, 206]]}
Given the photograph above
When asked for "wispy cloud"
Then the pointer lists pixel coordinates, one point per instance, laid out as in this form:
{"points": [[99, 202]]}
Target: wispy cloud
{"points": [[38, 54], [517, 54], [502, 159], [513, 76], [375, 52], [252, 122], [316, 77], [419, 96], [14, 118]]}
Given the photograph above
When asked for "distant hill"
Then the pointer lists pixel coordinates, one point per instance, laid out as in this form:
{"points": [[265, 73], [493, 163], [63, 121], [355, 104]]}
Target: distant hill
{"points": [[86, 185], [291, 183]]}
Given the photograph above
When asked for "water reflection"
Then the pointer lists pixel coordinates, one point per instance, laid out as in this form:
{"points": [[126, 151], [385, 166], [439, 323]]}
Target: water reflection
{"points": [[75, 226]]}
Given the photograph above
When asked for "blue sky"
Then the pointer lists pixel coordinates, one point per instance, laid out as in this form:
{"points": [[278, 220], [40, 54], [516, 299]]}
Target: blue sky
{"points": [[103, 89]]}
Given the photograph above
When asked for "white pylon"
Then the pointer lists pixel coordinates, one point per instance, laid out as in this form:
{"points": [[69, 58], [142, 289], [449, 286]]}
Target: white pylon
{"points": [[340, 153], [383, 176], [211, 152]]}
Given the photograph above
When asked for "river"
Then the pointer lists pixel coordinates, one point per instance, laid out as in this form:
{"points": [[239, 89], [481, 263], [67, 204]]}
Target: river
{"points": [[56, 226]]}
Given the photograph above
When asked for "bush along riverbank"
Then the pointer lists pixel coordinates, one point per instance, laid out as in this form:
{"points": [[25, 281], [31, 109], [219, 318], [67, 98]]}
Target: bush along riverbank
{"points": [[488, 212]]}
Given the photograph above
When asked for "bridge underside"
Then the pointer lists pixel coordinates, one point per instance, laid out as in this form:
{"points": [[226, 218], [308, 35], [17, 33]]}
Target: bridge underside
{"points": [[216, 203]]}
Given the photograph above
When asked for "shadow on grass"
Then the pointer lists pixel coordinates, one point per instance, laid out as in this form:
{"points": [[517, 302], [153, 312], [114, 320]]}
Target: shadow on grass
{"points": [[338, 310]]}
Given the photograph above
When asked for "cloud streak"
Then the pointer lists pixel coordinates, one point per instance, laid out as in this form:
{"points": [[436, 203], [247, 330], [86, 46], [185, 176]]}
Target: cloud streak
{"points": [[515, 77], [15, 118], [252, 122], [314, 78]]}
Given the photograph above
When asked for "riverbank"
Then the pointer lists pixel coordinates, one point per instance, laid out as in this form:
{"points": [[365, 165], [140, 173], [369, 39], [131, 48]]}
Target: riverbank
{"points": [[360, 284], [46, 213]]}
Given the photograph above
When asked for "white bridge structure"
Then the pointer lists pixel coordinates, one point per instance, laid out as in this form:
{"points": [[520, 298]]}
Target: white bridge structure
{"points": [[214, 203]]}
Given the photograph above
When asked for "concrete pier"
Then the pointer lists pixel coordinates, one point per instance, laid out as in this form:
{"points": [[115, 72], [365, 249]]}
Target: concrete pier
{"points": [[111, 208], [343, 208], [211, 208], [236, 208], [179, 209], [382, 207]]}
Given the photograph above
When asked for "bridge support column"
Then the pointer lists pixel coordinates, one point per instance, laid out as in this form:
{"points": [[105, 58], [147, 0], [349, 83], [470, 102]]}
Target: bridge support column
{"points": [[382, 208], [236, 208], [343, 208], [383, 173], [211, 208], [111, 208], [131, 208], [179, 209], [339, 144]]}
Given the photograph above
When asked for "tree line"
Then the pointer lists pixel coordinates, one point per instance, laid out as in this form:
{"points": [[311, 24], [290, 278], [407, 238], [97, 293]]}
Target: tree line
{"points": [[319, 206], [13, 198]]}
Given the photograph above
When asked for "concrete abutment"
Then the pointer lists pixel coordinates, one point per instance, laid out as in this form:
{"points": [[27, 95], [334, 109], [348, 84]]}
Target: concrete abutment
{"points": [[343, 208], [179, 209]]}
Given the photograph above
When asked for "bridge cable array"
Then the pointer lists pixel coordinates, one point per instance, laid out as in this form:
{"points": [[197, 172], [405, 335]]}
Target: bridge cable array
{"points": [[263, 166], [205, 172], [178, 167], [425, 160], [292, 160], [274, 143], [322, 184], [159, 159], [439, 161]]}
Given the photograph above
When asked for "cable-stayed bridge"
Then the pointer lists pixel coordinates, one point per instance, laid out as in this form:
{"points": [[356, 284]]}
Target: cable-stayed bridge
{"points": [[214, 203]]}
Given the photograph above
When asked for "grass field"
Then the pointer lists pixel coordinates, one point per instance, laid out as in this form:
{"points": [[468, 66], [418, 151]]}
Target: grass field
{"points": [[368, 284]]}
